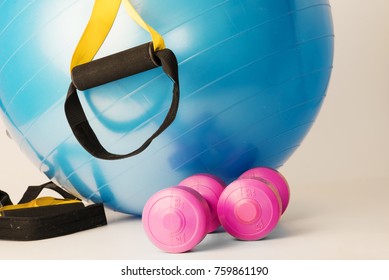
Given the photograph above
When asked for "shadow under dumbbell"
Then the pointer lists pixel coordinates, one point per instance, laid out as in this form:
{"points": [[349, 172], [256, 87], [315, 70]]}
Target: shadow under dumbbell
{"points": [[278, 233], [215, 241], [222, 240]]}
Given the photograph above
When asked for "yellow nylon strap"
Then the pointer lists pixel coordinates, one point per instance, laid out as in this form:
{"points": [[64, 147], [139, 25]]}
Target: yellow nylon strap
{"points": [[157, 39], [103, 15], [102, 18], [42, 201]]}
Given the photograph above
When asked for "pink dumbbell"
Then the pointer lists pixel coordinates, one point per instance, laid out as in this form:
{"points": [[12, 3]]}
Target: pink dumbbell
{"points": [[176, 219], [272, 177], [250, 207]]}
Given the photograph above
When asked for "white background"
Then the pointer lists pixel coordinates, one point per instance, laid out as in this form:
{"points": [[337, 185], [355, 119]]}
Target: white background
{"points": [[339, 177]]}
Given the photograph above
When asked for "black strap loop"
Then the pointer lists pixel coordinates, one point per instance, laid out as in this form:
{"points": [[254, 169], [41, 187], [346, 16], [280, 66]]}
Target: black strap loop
{"points": [[96, 73], [33, 192], [4, 199]]}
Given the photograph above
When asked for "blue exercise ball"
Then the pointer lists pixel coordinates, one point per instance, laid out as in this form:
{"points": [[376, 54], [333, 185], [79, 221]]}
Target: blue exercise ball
{"points": [[253, 77]]}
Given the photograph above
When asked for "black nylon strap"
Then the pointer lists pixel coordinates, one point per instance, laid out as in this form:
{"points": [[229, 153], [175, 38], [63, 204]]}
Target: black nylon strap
{"points": [[83, 131], [4, 199], [32, 192]]}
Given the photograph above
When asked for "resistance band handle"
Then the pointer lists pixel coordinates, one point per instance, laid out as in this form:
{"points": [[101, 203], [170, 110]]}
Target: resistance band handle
{"points": [[79, 123], [114, 67]]}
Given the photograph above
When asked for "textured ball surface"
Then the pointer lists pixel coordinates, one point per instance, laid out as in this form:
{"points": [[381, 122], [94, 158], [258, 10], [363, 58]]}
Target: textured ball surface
{"points": [[253, 77]]}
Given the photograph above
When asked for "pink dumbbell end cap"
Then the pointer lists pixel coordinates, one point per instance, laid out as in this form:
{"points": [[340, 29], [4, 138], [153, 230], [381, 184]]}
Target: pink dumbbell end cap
{"points": [[173, 219], [248, 209]]}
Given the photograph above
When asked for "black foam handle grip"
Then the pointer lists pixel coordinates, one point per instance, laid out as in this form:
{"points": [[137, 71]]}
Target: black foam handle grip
{"points": [[115, 67]]}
